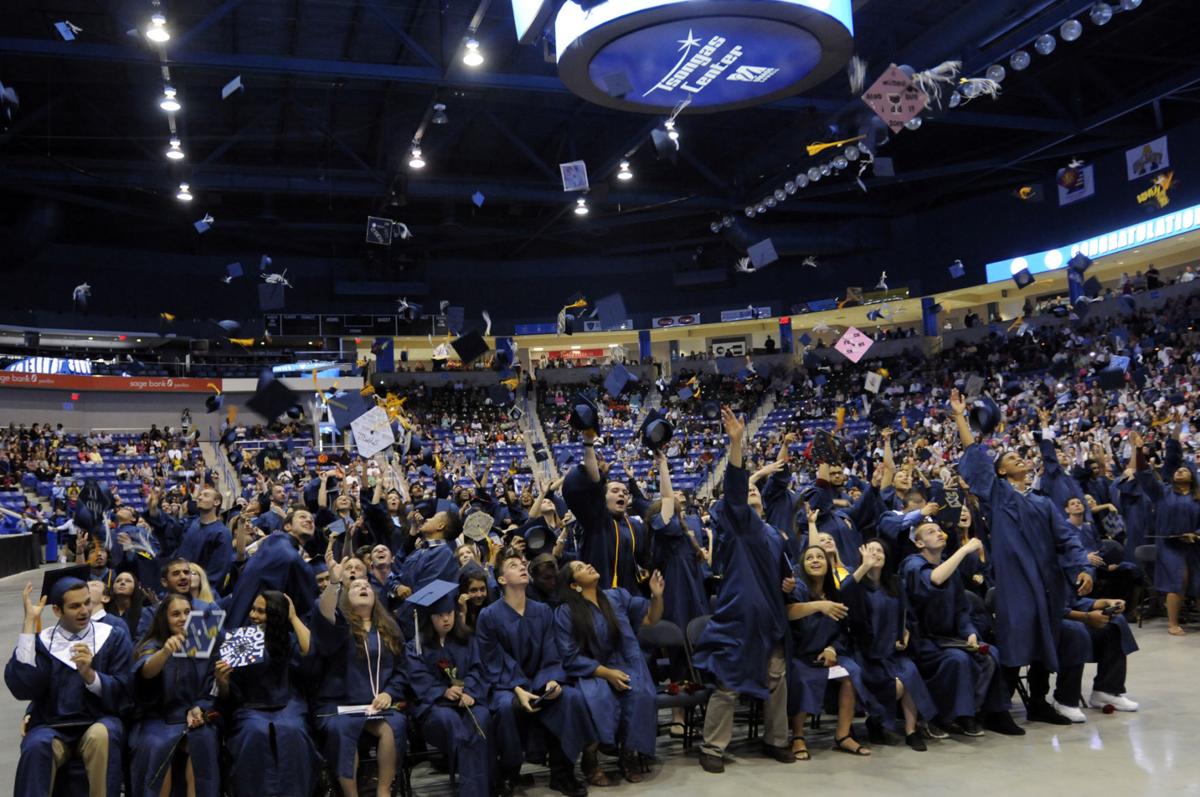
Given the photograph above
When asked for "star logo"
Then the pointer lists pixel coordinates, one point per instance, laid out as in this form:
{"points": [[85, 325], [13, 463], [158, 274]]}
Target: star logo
{"points": [[688, 43]]}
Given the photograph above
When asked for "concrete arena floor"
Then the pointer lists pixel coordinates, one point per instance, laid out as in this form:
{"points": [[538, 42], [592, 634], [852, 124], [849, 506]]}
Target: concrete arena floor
{"points": [[1150, 752]]}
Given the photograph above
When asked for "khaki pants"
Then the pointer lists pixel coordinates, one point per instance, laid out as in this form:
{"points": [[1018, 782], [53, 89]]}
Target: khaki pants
{"points": [[93, 749], [718, 722]]}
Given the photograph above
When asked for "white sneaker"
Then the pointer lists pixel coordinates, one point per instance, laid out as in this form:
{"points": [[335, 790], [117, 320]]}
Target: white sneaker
{"points": [[1070, 712], [1118, 702]]}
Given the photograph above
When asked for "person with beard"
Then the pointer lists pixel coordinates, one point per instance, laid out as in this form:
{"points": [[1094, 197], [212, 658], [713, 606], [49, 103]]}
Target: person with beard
{"points": [[614, 541], [1176, 520], [276, 564], [176, 579], [1035, 558]]}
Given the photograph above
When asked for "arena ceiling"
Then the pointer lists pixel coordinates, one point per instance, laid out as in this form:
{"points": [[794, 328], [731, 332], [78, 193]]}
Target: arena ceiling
{"points": [[335, 90]]}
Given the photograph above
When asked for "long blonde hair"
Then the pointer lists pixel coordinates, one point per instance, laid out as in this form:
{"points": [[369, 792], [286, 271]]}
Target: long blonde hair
{"points": [[205, 594]]}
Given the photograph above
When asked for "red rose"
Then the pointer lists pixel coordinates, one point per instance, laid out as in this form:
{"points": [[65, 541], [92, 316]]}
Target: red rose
{"points": [[444, 664], [984, 648], [693, 688]]}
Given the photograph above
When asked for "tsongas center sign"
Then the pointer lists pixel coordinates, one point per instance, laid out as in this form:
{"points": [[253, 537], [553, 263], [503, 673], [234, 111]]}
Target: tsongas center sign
{"points": [[650, 55]]}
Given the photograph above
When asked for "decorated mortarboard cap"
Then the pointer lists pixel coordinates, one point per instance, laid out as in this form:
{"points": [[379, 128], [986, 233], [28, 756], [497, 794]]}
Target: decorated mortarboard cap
{"points": [[477, 525], [882, 412], [584, 414], [470, 346], [826, 447], [956, 269], [611, 311], [1092, 288], [656, 430], [1023, 278], [273, 399], [1079, 263], [617, 379], [437, 597], [56, 583], [983, 416]]}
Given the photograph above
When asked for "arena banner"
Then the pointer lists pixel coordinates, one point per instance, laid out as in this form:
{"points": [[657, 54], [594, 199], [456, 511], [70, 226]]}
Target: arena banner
{"points": [[648, 56], [685, 320], [116, 384]]}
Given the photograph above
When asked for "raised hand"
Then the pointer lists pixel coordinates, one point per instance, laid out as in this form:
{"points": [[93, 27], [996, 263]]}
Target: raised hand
{"points": [[657, 584], [33, 611], [957, 404], [734, 427]]}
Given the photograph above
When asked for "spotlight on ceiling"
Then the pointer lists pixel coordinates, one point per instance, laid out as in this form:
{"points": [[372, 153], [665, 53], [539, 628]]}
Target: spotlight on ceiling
{"points": [[581, 207], [473, 57], [439, 114], [185, 193], [415, 161], [624, 173], [157, 32], [175, 153], [168, 103], [672, 133]]}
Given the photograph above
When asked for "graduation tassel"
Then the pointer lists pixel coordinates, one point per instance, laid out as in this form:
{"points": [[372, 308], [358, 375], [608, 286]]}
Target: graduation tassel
{"points": [[972, 88], [857, 71], [932, 80]]}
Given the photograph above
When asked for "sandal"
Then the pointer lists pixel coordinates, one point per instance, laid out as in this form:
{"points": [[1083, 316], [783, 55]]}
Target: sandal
{"points": [[676, 734], [800, 752], [839, 745]]}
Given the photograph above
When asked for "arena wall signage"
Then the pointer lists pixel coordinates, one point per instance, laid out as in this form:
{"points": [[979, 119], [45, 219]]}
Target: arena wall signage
{"points": [[649, 55], [1146, 232], [685, 320], [121, 384]]}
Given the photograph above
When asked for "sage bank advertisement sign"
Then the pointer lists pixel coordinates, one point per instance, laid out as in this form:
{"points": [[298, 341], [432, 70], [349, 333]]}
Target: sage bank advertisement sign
{"points": [[650, 55]]}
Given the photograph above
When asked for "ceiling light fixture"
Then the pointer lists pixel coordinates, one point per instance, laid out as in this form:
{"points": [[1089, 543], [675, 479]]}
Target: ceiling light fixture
{"points": [[624, 173], [168, 102], [157, 32], [439, 114], [185, 193], [581, 207], [175, 153], [415, 161], [473, 57]]}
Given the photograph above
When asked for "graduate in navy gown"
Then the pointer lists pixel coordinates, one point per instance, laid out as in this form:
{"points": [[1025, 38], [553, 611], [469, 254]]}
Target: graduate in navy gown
{"points": [[451, 692], [1112, 641], [270, 750], [614, 541], [820, 643], [1031, 548], [363, 673], [878, 622], [277, 564], [76, 675], [433, 561], [963, 675], [176, 579], [529, 693], [678, 554], [474, 593], [1176, 523], [174, 698], [745, 644], [206, 540], [596, 630]]}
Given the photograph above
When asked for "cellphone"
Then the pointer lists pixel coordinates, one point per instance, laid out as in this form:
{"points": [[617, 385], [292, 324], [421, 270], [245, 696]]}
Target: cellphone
{"points": [[536, 701]]}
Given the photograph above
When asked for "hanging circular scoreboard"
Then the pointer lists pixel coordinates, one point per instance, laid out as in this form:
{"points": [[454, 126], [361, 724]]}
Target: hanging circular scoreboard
{"points": [[649, 55]]}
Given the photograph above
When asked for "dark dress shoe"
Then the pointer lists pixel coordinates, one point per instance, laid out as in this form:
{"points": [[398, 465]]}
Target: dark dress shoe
{"points": [[1002, 722], [783, 755], [712, 763], [1044, 712]]}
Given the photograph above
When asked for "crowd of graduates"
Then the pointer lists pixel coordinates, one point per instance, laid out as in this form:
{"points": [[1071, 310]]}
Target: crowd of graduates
{"points": [[918, 574]]}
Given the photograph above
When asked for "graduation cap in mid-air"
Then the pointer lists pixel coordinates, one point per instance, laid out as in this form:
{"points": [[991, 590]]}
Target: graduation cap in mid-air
{"points": [[611, 311], [345, 406], [499, 395], [983, 415], [617, 379], [470, 347], [1111, 378], [957, 269], [1127, 304], [656, 430], [827, 447], [214, 402], [882, 413], [477, 525], [584, 414], [56, 583], [1023, 278], [710, 410], [270, 296], [763, 253], [1092, 288], [1079, 263], [273, 399]]}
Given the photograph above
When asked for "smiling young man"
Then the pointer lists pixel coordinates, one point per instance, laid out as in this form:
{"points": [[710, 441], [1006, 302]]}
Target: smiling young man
{"points": [[77, 675], [277, 564]]}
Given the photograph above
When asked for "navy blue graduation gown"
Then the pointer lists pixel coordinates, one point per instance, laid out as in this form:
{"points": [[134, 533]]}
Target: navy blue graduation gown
{"points": [[1174, 514], [877, 622], [162, 704], [209, 545], [521, 650], [749, 621], [952, 674], [345, 680], [1058, 485], [781, 505], [1031, 547], [277, 564], [62, 708], [1137, 510], [808, 681], [434, 562], [444, 724], [615, 546], [626, 718], [684, 598], [270, 749]]}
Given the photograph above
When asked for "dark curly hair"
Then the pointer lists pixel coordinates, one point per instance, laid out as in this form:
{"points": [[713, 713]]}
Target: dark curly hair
{"points": [[277, 628]]}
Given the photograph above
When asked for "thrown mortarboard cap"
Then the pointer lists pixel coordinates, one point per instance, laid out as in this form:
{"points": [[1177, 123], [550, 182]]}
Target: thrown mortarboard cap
{"points": [[884, 167], [264, 262], [762, 253], [584, 414], [656, 430], [611, 312], [882, 413], [617, 379], [470, 346], [983, 416], [728, 366], [499, 395], [233, 271], [456, 316], [537, 546], [477, 199], [873, 315], [1082, 307], [232, 86], [437, 597], [1023, 278], [67, 30], [819, 380], [957, 269], [1126, 304], [477, 525], [665, 147], [1111, 378], [805, 339], [273, 399], [936, 308], [1092, 288], [270, 297], [346, 406], [56, 583], [1059, 311], [214, 402], [1079, 263], [202, 225], [828, 448], [685, 394], [229, 325], [710, 410], [426, 471]]}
